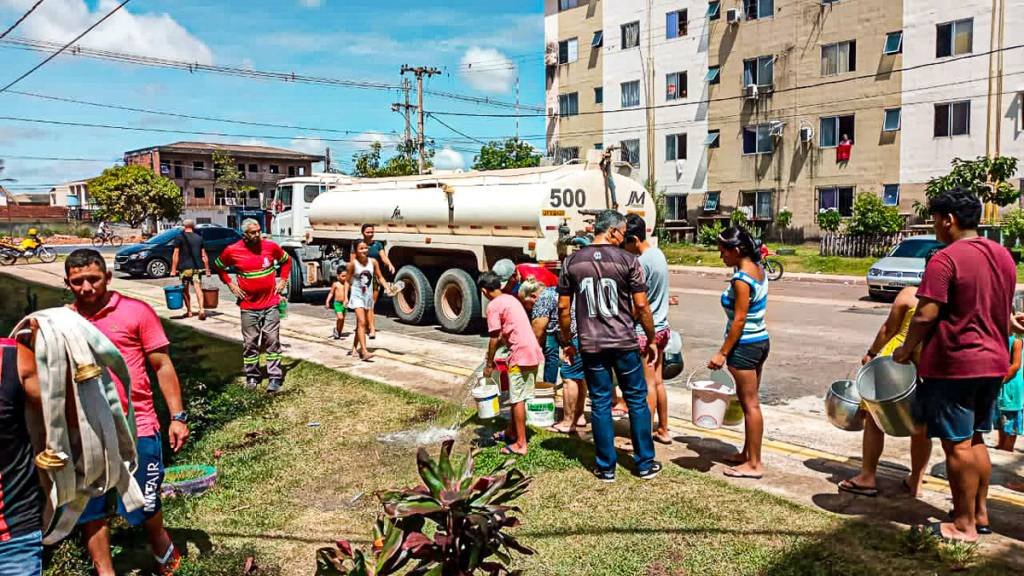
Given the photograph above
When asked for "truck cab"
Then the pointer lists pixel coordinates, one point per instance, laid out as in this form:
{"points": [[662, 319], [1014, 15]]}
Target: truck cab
{"points": [[291, 203]]}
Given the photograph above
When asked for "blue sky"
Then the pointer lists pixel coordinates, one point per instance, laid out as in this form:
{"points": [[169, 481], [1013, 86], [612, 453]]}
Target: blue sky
{"points": [[353, 40]]}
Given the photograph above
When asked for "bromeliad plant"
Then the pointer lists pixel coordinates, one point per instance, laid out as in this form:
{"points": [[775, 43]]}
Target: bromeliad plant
{"points": [[453, 524]]}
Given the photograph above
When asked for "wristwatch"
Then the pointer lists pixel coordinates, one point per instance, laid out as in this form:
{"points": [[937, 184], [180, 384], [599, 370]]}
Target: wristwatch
{"points": [[180, 417]]}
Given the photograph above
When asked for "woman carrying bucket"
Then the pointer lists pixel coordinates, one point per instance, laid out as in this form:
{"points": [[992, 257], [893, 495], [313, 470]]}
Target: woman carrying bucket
{"points": [[746, 344]]}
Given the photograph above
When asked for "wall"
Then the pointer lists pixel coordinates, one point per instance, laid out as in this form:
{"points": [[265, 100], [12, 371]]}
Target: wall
{"points": [[582, 76]]}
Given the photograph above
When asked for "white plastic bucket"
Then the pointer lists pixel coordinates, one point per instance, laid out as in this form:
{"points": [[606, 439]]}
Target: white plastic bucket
{"points": [[486, 401], [540, 410], [710, 400]]}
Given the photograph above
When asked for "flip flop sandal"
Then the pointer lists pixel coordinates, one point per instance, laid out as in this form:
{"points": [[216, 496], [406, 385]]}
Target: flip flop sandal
{"points": [[732, 473], [665, 441], [983, 529], [854, 488], [559, 430], [510, 452]]}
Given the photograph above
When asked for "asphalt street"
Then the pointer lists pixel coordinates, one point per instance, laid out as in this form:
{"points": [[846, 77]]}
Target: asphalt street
{"points": [[819, 331]]}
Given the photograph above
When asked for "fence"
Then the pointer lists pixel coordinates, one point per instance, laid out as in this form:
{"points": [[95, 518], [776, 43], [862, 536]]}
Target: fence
{"points": [[876, 245]]}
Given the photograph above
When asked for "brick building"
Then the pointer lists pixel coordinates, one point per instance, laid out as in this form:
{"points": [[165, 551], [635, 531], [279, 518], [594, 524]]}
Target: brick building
{"points": [[190, 166]]}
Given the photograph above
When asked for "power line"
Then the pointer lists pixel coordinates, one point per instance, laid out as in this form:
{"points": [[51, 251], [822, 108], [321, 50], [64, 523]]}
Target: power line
{"points": [[10, 157], [22, 19], [64, 47], [450, 127]]}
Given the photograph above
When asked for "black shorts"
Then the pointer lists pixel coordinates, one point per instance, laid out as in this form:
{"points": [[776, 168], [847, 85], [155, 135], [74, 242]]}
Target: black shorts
{"points": [[751, 356], [955, 409]]}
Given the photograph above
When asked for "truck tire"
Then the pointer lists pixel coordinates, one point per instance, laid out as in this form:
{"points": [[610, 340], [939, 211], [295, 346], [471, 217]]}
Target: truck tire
{"points": [[456, 301], [415, 303], [294, 290]]}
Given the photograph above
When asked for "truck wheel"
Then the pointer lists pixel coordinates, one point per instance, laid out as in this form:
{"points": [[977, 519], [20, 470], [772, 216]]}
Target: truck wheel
{"points": [[294, 290], [415, 303], [456, 300]]}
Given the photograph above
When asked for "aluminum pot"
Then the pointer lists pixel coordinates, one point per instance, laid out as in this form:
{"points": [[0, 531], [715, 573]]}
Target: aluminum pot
{"points": [[888, 389], [842, 405]]}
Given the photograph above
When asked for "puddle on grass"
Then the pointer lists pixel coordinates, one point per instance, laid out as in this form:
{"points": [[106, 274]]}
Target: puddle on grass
{"points": [[424, 437]]}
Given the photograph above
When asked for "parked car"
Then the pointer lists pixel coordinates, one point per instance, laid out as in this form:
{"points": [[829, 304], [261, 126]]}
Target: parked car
{"points": [[903, 267], [153, 257]]}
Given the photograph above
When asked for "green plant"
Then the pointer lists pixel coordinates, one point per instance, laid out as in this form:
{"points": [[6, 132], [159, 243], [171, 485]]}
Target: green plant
{"points": [[871, 216], [451, 524], [987, 178], [134, 194], [958, 555], [707, 235], [829, 220], [921, 210], [738, 218], [1013, 226], [783, 219], [512, 153], [918, 539]]}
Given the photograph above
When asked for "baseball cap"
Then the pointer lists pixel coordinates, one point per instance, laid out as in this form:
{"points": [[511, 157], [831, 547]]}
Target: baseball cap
{"points": [[504, 268]]}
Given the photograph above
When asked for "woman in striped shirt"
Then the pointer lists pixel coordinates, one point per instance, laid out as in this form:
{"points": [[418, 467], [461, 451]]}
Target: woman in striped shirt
{"points": [[746, 344]]}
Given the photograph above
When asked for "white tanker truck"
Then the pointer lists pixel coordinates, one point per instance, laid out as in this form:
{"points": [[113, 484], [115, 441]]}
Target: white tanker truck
{"points": [[442, 230]]}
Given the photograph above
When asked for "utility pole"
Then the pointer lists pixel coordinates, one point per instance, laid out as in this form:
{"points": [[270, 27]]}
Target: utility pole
{"points": [[404, 108], [420, 72]]}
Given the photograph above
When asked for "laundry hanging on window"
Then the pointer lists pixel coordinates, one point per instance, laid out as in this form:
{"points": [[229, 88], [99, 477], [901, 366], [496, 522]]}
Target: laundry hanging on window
{"points": [[843, 150]]}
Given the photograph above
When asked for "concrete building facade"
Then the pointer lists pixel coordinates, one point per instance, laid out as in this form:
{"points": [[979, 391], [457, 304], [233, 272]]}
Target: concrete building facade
{"points": [[574, 37]]}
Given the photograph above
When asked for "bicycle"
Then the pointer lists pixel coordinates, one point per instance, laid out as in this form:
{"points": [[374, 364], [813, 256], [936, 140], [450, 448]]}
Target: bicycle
{"points": [[113, 239]]}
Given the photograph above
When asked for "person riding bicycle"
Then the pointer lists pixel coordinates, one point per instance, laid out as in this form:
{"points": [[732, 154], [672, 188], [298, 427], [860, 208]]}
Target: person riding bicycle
{"points": [[31, 240], [104, 229]]}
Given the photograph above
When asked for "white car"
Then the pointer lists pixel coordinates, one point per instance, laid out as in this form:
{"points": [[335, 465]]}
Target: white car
{"points": [[903, 267]]}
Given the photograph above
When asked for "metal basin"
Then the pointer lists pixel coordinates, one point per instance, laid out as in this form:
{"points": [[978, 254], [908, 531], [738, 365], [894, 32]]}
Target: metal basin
{"points": [[887, 389], [842, 405]]}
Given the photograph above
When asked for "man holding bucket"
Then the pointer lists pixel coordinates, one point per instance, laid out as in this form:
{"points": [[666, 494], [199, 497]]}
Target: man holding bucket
{"points": [[962, 321], [190, 260]]}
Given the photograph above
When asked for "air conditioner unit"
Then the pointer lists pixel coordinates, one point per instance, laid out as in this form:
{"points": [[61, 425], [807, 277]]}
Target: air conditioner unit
{"points": [[806, 134], [775, 129], [732, 16], [750, 92]]}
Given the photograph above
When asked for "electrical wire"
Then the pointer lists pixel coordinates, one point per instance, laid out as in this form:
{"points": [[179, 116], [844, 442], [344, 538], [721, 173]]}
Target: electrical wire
{"points": [[21, 19], [12, 157], [457, 131]]}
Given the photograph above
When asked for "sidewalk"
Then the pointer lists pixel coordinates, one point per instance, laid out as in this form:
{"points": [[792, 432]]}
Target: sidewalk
{"points": [[804, 454], [790, 276]]}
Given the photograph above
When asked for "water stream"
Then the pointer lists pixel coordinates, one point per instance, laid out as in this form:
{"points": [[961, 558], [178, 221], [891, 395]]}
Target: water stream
{"points": [[442, 426]]}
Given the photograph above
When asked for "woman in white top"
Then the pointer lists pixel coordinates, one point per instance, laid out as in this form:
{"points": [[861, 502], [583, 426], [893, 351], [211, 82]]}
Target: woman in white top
{"points": [[361, 272]]}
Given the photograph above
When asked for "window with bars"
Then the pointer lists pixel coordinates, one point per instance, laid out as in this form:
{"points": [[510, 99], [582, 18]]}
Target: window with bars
{"points": [[839, 58], [954, 38], [838, 197], [675, 147], [953, 119], [759, 202], [568, 51], [569, 104], [759, 71], [630, 151], [675, 86], [675, 24], [758, 139], [754, 9], [630, 35], [834, 128], [630, 94]]}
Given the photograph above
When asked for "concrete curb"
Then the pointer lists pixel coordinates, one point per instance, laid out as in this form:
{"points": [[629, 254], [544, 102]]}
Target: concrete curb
{"points": [[788, 277]]}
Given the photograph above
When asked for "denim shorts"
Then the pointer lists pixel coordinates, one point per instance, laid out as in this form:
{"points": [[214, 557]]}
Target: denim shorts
{"points": [[149, 475], [574, 371], [22, 555], [552, 358], [749, 356], [954, 410]]}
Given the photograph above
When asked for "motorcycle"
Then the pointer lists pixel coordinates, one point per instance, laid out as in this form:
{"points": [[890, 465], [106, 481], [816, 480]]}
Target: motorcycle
{"points": [[9, 253], [772, 266]]}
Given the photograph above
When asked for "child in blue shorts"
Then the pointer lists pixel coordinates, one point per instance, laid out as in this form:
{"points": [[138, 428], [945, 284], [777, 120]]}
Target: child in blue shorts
{"points": [[1010, 403]]}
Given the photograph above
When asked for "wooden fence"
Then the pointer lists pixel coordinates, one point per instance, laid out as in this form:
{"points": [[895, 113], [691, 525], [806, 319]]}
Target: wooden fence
{"points": [[876, 245]]}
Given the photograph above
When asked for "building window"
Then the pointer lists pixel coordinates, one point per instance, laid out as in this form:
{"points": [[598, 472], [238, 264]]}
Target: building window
{"points": [[954, 38], [599, 95], [563, 155], [711, 140], [758, 139], [567, 4], [759, 71], [675, 24], [630, 35], [598, 40], [759, 202], [254, 168], [254, 194], [953, 119], [714, 10], [599, 146], [893, 43], [302, 170], [177, 169], [675, 207], [892, 120], [241, 168], [711, 201], [291, 171], [568, 51], [569, 104], [839, 58], [675, 86], [199, 192], [675, 147], [755, 9], [274, 169], [835, 128], [165, 169], [631, 151], [837, 197], [204, 220], [713, 74], [198, 166], [891, 194], [630, 94]]}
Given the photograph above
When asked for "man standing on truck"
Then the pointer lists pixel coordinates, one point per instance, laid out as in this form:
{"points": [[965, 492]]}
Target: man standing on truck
{"points": [[257, 263], [376, 251]]}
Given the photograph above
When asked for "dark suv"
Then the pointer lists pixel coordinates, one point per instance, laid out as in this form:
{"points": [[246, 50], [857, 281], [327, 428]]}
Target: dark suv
{"points": [[153, 257]]}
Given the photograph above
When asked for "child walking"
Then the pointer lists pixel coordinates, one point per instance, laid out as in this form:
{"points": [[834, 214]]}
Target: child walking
{"points": [[507, 322], [1010, 404], [337, 297], [362, 270]]}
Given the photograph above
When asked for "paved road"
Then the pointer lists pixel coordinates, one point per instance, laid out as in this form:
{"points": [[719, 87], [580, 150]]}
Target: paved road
{"points": [[819, 331], [65, 249]]}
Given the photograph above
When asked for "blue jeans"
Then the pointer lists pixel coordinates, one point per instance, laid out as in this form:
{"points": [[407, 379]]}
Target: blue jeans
{"points": [[629, 371], [22, 555]]}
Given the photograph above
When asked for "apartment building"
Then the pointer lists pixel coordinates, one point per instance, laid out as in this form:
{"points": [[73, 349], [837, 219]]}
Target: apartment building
{"points": [[574, 40], [190, 166], [762, 104]]}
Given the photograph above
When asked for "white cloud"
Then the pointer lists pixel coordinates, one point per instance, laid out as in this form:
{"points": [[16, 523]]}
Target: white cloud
{"points": [[448, 159], [488, 70], [308, 146], [311, 3], [366, 138], [149, 34]]}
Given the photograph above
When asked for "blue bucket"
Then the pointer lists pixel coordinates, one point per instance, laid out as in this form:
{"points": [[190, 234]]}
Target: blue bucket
{"points": [[175, 297]]}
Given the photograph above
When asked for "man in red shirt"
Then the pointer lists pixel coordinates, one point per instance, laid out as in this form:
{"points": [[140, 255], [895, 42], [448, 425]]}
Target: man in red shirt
{"points": [[257, 263], [962, 323], [134, 328]]}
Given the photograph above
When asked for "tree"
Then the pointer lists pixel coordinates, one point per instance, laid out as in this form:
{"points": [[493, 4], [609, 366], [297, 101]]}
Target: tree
{"points": [[783, 219], [871, 216], [134, 194], [405, 163], [512, 153], [227, 176], [987, 178]]}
